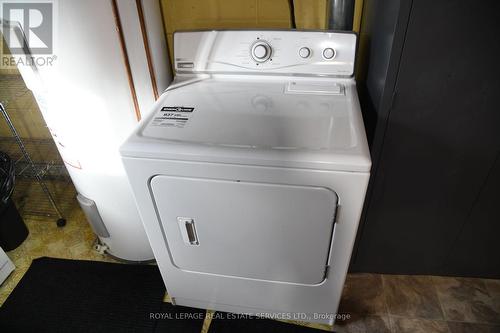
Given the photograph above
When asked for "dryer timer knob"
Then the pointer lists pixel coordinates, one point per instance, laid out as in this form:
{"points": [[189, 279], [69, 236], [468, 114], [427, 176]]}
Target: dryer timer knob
{"points": [[261, 51]]}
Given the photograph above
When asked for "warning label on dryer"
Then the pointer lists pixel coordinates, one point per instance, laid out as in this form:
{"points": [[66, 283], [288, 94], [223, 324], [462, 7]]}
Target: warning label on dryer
{"points": [[172, 116]]}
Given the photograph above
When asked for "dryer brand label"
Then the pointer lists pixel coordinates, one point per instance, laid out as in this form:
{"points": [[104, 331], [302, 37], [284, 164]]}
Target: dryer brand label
{"points": [[177, 109], [172, 116]]}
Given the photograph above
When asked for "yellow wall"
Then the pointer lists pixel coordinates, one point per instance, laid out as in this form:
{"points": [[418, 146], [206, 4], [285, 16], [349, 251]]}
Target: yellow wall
{"points": [[20, 105], [3, 69], [240, 14], [22, 109], [358, 10], [311, 14]]}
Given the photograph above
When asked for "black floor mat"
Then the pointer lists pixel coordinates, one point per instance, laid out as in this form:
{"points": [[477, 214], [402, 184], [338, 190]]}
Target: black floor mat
{"points": [[57, 295], [229, 323]]}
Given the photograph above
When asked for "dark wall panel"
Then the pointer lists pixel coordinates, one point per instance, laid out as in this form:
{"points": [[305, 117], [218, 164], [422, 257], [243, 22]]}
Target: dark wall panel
{"points": [[440, 144], [477, 249]]}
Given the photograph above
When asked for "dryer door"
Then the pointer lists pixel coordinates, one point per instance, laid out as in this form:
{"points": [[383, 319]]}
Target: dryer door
{"points": [[252, 230]]}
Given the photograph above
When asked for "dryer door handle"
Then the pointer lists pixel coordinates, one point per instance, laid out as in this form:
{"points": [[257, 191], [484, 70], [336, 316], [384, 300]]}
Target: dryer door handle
{"points": [[188, 230], [191, 233]]}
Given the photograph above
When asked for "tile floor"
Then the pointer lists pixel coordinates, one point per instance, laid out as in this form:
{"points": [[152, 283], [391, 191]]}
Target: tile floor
{"points": [[371, 302], [403, 303]]}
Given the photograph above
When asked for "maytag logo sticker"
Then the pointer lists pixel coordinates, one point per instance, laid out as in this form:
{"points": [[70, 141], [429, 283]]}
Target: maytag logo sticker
{"points": [[177, 109]]}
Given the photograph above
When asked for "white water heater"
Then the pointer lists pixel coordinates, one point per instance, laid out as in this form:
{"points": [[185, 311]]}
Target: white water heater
{"points": [[108, 64]]}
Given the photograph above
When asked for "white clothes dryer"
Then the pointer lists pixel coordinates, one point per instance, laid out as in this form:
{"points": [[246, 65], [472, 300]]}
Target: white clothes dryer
{"points": [[251, 171]]}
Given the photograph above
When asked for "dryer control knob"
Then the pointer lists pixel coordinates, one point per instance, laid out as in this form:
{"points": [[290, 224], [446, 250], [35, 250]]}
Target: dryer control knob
{"points": [[304, 52], [328, 53], [261, 51]]}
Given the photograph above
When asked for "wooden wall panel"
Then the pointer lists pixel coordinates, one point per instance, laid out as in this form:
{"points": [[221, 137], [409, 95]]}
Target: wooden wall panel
{"points": [[240, 14]]}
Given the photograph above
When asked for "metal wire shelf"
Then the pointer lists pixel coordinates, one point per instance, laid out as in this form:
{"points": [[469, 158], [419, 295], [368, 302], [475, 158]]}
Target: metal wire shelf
{"points": [[32, 202], [46, 160], [35, 159]]}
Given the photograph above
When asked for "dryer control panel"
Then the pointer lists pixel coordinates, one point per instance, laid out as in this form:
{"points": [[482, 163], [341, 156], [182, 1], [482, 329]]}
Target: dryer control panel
{"points": [[285, 52]]}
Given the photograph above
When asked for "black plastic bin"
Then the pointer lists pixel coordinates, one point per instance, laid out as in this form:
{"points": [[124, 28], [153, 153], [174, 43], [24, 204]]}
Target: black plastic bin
{"points": [[13, 231]]}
